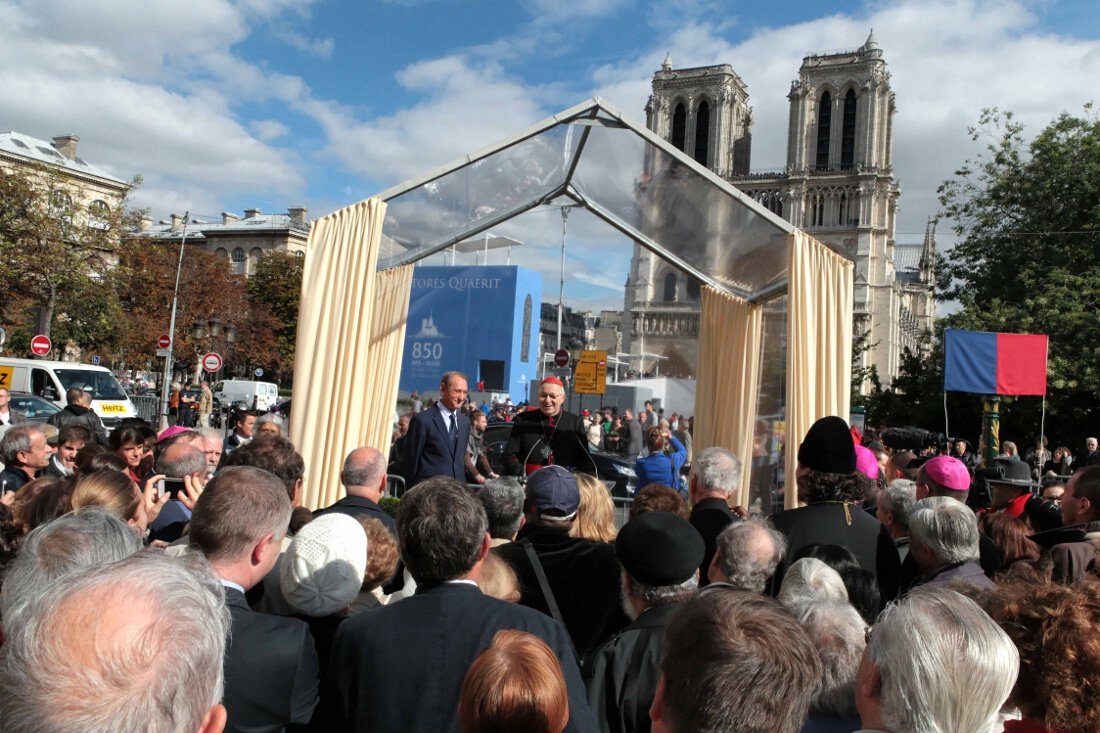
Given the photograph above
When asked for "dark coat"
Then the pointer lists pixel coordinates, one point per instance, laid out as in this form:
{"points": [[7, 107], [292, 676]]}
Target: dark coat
{"points": [[271, 670], [622, 675], [399, 668], [13, 478], [827, 523], [359, 506], [531, 432], [430, 451], [584, 576], [84, 417], [634, 437], [710, 517]]}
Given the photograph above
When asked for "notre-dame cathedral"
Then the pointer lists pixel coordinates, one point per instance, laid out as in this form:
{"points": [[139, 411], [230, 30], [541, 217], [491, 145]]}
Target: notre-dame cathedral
{"points": [[838, 185]]}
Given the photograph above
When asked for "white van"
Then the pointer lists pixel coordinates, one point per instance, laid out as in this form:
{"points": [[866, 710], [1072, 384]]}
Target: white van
{"points": [[50, 380], [264, 395]]}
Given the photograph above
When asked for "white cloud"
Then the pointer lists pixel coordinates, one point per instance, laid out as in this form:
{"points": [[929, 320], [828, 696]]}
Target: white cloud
{"points": [[320, 47], [268, 130]]}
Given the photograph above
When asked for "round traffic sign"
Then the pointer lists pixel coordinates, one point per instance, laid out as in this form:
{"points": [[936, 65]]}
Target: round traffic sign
{"points": [[211, 361], [41, 345], [164, 341], [259, 372], [561, 358]]}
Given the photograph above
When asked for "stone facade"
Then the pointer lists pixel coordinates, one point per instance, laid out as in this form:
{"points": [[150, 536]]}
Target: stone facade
{"points": [[838, 185], [82, 184], [242, 240]]}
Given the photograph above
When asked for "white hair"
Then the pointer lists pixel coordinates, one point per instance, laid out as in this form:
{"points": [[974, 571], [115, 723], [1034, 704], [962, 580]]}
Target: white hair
{"points": [[811, 581], [159, 626], [748, 553], [899, 497], [85, 538], [838, 632], [947, 527], [717, 470], [946, 666]]}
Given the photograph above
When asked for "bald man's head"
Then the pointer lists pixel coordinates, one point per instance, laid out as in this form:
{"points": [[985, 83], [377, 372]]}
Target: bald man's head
{"points": [[364, 473]]}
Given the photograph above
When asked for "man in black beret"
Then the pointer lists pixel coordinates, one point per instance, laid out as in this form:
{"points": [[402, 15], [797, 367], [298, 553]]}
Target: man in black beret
{"points": [[833, 492], [660, 554]]}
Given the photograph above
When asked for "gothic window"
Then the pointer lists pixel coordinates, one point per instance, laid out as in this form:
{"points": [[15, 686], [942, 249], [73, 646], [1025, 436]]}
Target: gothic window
{"points": [[848, 132], [817, 210], [679, 126], [824, 126], [693, 289], [702, 132], [670, 287], [238, 261]]}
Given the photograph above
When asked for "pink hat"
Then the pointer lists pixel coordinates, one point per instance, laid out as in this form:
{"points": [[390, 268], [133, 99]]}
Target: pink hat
{"points": [[866, 463], [169, 432], [948, 472]]}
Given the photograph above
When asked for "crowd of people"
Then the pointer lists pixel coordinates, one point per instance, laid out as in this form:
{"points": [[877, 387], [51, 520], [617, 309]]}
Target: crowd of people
{"points": [[173, 582]]}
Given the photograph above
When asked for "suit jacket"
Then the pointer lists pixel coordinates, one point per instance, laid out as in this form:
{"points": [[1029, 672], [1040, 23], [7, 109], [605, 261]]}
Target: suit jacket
{"points": [[710, 517], [271, 670], [400, 667], [15, 417], [622, 674], [429, 449]]}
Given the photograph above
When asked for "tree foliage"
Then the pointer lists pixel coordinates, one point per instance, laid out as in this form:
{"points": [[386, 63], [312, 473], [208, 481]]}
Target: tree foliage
{"points": [[54, 244], [274, 292], [1027, 216]]}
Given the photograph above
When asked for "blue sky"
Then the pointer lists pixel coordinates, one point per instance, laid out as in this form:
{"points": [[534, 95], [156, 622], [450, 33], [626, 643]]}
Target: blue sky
{"points": [[223, 105]]}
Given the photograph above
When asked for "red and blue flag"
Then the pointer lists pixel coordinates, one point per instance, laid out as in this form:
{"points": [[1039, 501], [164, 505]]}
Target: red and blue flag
{"points": [[995, 363]]}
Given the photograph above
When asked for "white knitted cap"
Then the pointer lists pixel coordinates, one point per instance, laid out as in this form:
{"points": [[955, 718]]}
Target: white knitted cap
{"points": [[322, 570]]}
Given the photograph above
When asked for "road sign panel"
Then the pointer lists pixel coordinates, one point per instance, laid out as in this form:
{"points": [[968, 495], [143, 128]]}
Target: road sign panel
{"points": [[590, 376], [259, 372], [212, 362], [41, 345], [164, 341], [561, 358]]}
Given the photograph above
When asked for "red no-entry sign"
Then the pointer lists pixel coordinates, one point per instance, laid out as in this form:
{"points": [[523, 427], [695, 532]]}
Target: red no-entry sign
{"points": [[561, 358], [211, 362], [164, 341], [41, 345]]}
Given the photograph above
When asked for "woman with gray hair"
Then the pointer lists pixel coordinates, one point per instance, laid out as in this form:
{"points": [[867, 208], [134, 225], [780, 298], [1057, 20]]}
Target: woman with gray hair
{"points": [[810, 581]]}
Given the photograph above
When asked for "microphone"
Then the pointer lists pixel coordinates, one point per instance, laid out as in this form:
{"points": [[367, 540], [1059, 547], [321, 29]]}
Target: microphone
{"points": [[523, 466], [584, 450]]}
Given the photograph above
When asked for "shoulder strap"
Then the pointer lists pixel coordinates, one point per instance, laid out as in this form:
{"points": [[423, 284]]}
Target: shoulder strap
{"points": [[544, 585]]}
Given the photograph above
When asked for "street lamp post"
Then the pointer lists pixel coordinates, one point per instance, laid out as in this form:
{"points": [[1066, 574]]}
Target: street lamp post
{"points": [[211, 332]]}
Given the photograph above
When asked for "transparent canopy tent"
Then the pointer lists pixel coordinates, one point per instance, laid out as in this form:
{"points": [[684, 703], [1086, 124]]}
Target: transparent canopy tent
{"points": [[622, 173], [763, 305]]}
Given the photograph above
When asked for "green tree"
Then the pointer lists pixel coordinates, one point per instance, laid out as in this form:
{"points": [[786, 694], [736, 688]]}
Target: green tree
{"points": [[274, 291], [53, 244], [1028, 258]]}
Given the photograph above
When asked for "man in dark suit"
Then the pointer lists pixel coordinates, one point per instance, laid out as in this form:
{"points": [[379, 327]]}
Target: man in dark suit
{"points": [[271, 667], [364, 480], [436, 442], [715, 476], [400, 667]]}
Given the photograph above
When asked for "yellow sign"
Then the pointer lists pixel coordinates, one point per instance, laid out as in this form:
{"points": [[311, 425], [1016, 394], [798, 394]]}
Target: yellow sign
{"points": [[6, 374], [112, 408], [590, 376]]}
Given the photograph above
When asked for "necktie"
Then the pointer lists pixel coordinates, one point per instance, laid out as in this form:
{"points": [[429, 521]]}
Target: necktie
{"points": [[454, 431]]}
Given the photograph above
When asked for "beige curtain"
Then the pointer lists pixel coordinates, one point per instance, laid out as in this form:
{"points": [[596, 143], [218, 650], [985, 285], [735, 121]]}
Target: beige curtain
{"points": [[335, 376], [819, 343], [387, 341], [728, 378]]}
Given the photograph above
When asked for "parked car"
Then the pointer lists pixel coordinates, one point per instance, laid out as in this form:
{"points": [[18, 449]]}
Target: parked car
{"points": [[609, 467], [35, 409]]}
